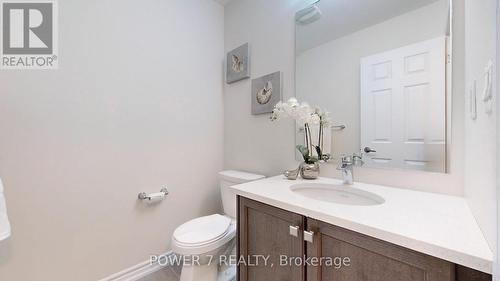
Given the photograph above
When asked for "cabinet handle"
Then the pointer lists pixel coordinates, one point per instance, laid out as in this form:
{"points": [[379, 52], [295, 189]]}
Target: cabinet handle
{"points": [[309, 236], [294, 231]]}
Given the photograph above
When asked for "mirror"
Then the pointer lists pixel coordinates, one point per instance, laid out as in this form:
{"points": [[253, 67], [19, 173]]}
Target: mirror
{"points": [[381, 69]]}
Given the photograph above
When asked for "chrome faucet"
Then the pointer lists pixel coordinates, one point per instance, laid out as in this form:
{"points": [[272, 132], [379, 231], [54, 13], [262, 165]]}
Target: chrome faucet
{"points": [[346, 166]]}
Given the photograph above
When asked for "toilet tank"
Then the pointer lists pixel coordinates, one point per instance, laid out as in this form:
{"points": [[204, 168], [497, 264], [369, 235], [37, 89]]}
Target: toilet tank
{"points": [[230, 178]]}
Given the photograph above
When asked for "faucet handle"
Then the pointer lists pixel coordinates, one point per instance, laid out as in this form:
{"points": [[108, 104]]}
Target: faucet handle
{"points": [[358, 159]]}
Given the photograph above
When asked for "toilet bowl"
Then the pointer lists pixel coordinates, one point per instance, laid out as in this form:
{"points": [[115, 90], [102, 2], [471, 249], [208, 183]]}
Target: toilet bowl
{"points": [[203, 240]]}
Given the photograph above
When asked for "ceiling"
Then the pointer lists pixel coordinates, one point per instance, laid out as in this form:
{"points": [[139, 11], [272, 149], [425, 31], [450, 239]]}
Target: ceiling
{"points": [[343, 17], [223, 2]]}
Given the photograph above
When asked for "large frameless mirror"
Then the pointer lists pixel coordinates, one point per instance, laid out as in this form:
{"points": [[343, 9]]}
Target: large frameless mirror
{"points": [[382, 70]]}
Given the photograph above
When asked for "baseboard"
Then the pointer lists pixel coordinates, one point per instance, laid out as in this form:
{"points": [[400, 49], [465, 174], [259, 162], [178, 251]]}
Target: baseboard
{"points": [[136, 272]]}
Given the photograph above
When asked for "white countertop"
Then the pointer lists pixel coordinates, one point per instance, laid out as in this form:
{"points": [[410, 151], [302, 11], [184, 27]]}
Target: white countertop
{"points": [[438, 225]]}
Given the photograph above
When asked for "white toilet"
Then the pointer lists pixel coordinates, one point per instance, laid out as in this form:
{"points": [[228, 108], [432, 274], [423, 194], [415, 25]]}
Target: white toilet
{"points": [[210, 236]]}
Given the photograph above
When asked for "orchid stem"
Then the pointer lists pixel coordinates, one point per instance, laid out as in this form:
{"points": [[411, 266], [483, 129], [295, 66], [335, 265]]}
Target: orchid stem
{"points": [[308, 138]]}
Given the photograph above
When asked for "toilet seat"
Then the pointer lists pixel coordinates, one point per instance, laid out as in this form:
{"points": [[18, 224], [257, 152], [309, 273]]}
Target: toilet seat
{"points": [[202, 235]]}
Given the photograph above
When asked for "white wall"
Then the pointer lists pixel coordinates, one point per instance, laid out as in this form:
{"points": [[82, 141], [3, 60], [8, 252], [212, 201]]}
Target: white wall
{"points": [[253, 143], [135, 105], [329, 74], [480, 141], [496, 270]]}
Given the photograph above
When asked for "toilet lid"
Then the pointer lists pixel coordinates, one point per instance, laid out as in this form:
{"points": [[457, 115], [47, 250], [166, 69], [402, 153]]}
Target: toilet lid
{"points": [[203, 229]]}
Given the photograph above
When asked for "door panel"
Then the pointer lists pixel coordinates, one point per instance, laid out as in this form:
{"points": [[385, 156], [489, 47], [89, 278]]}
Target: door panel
{"points": [[403, 110], [265, 230], [370, 259]]}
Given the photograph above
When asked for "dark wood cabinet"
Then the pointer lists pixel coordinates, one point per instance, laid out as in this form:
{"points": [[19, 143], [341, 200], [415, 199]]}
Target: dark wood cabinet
{"points": [[370, 259], [265, 231], [324, 252]]}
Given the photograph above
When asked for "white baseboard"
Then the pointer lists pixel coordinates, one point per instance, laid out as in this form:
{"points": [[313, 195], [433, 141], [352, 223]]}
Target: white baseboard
{"points": [[136, 272]]}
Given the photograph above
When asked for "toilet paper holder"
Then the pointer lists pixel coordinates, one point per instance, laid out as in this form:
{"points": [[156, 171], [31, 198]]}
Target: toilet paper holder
{"points": [[159, 196]]}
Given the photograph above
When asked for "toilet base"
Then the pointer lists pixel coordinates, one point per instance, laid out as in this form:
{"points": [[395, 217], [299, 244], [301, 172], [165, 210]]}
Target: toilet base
{"points": [[206, 272]]}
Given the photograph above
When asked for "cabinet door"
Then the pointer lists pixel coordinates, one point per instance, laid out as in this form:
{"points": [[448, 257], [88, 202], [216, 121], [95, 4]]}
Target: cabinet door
{"points": [[370, 259], [265, 231]]}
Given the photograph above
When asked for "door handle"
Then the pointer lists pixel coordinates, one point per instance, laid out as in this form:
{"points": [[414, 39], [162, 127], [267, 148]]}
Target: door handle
{"points": [[309, 236], [294, 231], [369, 150]]}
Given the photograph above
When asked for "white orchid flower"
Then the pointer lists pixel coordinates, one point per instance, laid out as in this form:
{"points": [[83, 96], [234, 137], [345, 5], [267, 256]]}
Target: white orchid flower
{"points": [[314, 119], [293, 102], [302, 112]]}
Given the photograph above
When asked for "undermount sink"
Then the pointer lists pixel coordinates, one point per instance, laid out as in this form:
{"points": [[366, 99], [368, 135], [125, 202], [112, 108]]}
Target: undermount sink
{"points": [[340, 194]]}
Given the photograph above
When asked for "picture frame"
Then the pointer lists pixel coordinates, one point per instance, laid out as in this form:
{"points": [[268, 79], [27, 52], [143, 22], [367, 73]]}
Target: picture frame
{"points": [[238, 64], [266, 92]]}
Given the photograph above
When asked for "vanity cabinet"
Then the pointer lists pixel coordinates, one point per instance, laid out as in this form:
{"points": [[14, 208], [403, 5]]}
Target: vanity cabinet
{"points": [[370, 259], [266, 230]]}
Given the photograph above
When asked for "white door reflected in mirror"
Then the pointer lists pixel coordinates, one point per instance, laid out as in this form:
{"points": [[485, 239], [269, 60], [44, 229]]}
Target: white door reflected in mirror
{"points": [[403, 107]]}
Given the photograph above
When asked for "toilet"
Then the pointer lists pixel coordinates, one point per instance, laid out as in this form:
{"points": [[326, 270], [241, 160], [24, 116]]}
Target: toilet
{"points": [[203, 240]]}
